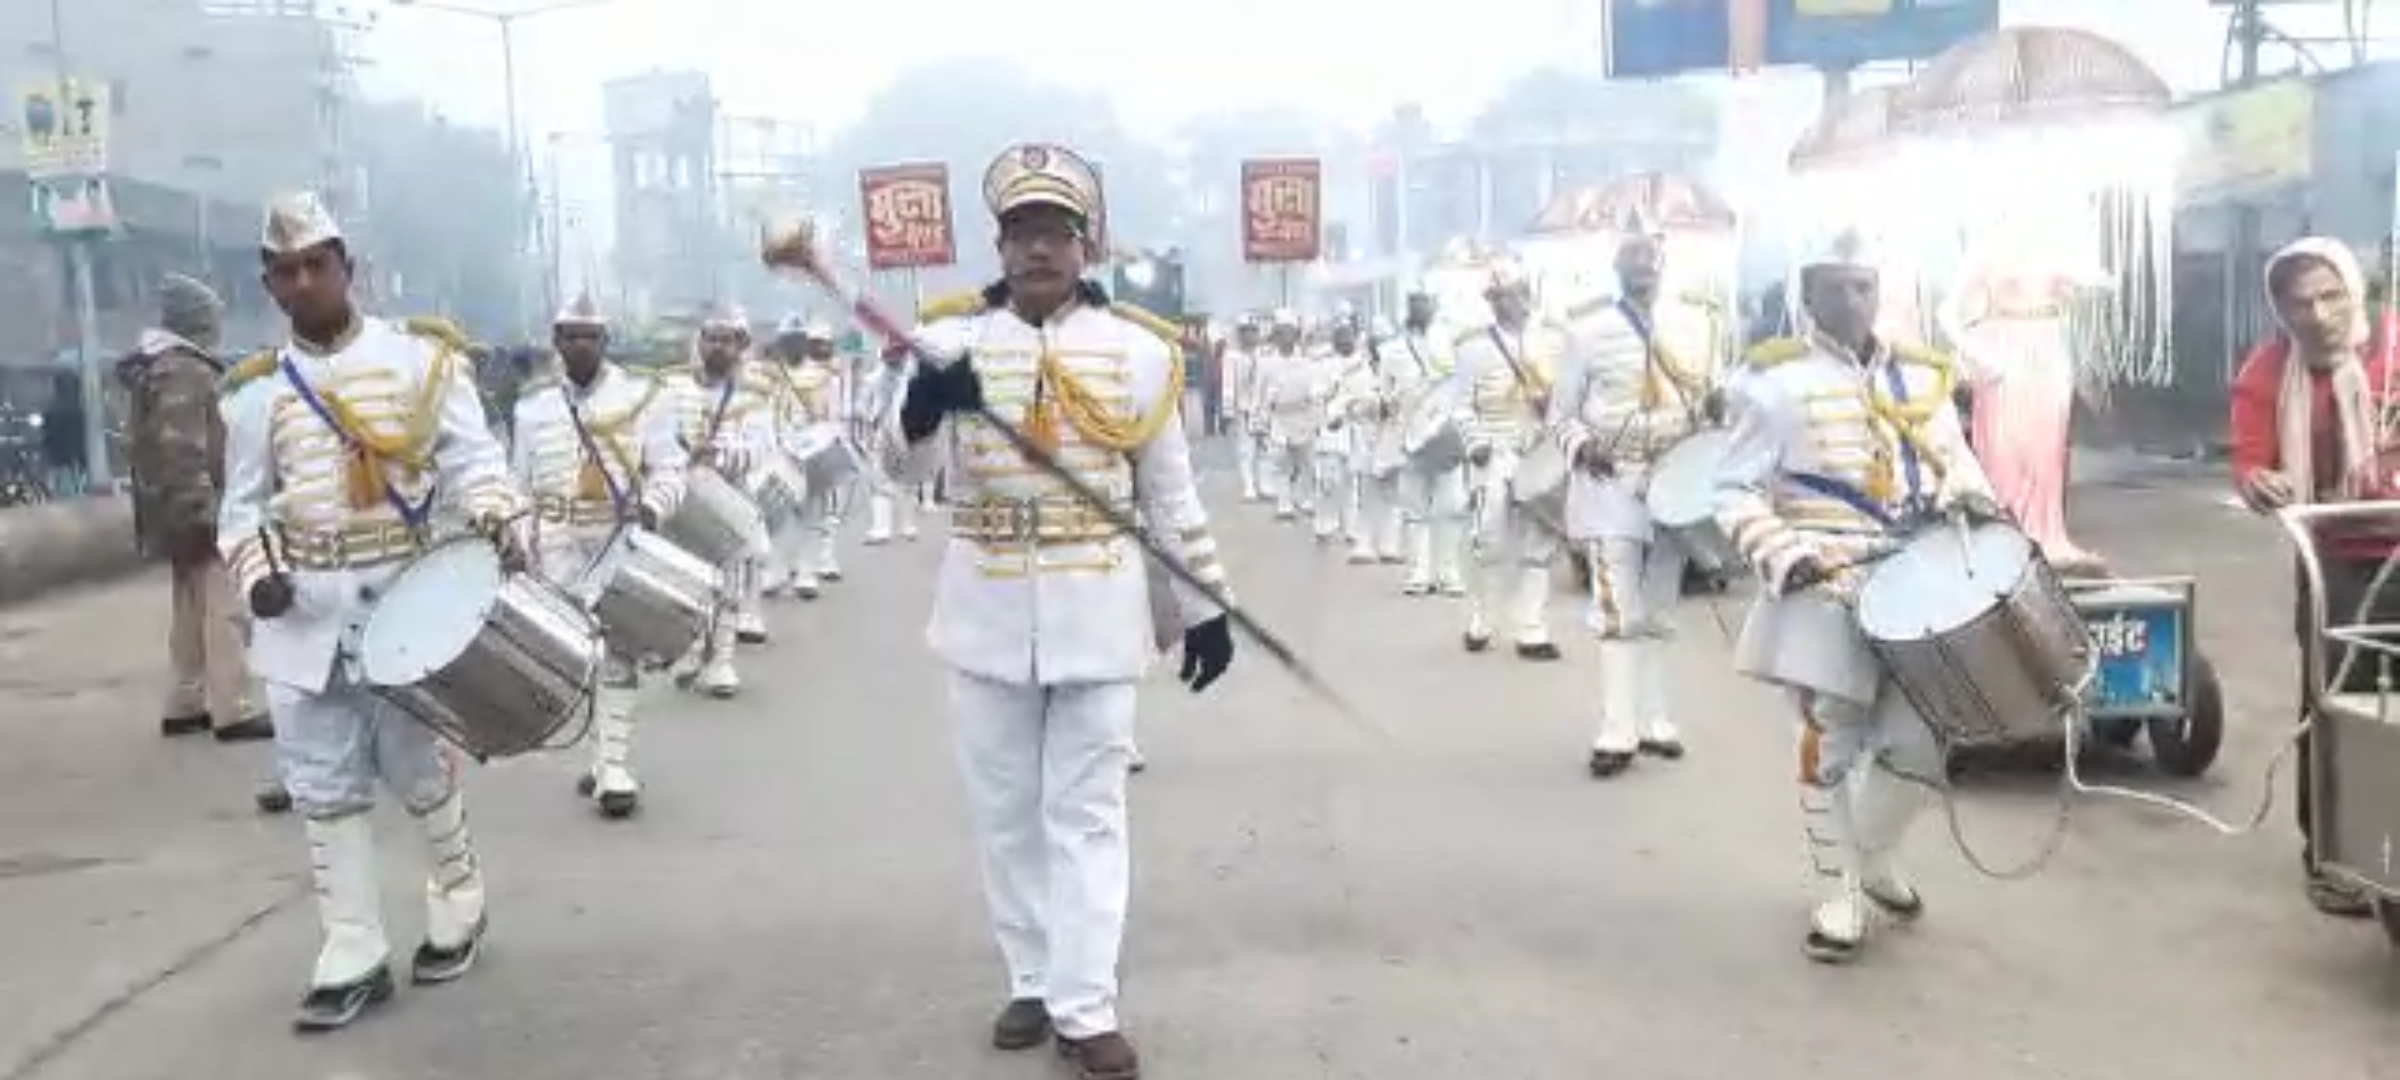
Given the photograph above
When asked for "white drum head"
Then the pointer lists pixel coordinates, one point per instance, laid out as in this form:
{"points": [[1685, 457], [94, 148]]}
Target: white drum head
{"points": [[1683, 483], [1942, 580], [429, 614], [1544, 468], [816, 440]]}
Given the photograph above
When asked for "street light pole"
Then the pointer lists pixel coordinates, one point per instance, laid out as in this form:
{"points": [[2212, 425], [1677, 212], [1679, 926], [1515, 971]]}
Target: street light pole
{"points": [[97, 478]]}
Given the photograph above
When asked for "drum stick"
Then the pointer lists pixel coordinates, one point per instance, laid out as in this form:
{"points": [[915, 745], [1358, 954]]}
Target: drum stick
{"points": [[798, 253]]}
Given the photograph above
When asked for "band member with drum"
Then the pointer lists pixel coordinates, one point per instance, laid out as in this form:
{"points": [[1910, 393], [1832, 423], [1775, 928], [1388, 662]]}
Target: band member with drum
{"points": [[1837, 437], [1343, 441], [1503, 375], [1044, 607], [1431, 487], [823, 394], [2316, 431], [724, 421], [1633, 392], [596, 450], [1288, 418], [343, 448], [892, 501], [1239, 372]]}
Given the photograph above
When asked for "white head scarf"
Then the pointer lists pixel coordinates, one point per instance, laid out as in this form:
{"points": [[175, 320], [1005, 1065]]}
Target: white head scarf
{"points": [[2352, 404]]}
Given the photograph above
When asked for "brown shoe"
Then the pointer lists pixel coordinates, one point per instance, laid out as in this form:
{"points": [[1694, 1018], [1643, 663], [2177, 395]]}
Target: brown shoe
{"points": [[2337, 899], [1023, 1025], [1106, 1056]]}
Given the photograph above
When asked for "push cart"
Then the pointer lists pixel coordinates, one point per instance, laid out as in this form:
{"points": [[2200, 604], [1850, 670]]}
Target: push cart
{"points": [[2150, 679], [2354, 738]]}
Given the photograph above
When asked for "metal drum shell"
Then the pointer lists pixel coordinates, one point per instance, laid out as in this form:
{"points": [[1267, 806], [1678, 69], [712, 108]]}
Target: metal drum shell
{"points": [[1431, 438], [652, 598], [1540, 482], [778, 487], [528, 671], [2004, 675], [1681, 498], [716, 522]]}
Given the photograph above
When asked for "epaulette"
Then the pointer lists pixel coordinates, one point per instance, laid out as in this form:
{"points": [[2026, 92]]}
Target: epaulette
{"points": [[438, 330], [1139, 316], [1925, 355], [1774, 351], [956, 305], [249, 369]]}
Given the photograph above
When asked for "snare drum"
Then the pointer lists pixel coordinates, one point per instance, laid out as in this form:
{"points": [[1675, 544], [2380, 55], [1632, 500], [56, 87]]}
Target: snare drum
{"points": [[1540, 482], [495, 663], [716, 522], [1975, 628], [1682, 498], [1430, 435], [778, 488], [654, 599]]}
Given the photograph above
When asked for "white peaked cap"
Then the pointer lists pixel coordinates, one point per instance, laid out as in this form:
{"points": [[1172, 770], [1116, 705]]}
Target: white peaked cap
{"points": [[1507, 272], [581, 311], [297, 221], [817, 330], [727, 317], [1041, 174], [1286, 318], [790, 326], [1848, 246]]}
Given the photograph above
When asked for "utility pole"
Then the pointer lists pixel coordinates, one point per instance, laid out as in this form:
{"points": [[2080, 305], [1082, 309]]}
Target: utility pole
{"points": [[97, 475]]}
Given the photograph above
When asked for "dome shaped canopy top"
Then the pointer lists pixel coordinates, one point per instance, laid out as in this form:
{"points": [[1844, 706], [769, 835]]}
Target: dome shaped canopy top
{"points": [[1645, 200], [1853, 127], [2027, 74]]}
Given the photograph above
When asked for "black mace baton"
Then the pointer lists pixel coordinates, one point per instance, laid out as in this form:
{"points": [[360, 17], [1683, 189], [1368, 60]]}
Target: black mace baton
{"points": [[799, 254]]}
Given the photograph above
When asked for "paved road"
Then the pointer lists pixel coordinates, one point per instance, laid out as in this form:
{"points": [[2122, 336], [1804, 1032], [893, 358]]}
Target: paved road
{"points": [[1446, 896]]}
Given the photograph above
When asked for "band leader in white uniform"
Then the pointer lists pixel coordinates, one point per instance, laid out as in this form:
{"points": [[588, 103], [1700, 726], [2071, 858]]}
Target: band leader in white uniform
{"points": [[596, 450], [724, 421], [1432, 501], [1043, 608], [1503, 374], [1632, 392], [1836, 436], [343, 447]]}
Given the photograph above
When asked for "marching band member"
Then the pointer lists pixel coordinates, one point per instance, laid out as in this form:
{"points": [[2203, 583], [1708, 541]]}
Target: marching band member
{"points": [[596, 450], [1337, 456], [1239, 374], [1291, 423], [891, 504], [723, 422], [1503, 373], [342, 447], [1432, 501], [1043, 607], [824, 394], [788, 419], [1633, 393], [1838, 436], [2311, 417]]}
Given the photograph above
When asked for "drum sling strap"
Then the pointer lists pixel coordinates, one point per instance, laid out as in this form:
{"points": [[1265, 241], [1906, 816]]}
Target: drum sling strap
{"points": [[617, 496], [415, 516]]}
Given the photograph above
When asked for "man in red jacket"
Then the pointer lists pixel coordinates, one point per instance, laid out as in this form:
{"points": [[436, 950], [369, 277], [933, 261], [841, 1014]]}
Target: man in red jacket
{"points": [[2309, 426]]}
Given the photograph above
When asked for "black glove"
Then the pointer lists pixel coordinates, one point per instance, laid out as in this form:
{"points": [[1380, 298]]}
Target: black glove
{"points": [[1712, 407], [1806, 573], [934, 393], [1207, 652], [646, 515], [271, 596], [1594, 459], [1979, 508]]}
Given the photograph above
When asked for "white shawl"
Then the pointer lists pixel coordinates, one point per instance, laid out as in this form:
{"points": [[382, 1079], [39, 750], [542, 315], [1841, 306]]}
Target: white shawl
{"points": [[2353, 406]]}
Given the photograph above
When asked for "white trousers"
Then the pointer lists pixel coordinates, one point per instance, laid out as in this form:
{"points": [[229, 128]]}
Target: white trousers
{"points": [[1633, 592], [1371, 519], [1249, 452], [1867, 772], [1335, 493], [1512, 553], [1433, 515], [1046, 768]]}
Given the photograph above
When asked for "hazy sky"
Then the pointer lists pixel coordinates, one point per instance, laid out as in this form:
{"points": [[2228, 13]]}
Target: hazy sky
{"points": [[820, 62]]}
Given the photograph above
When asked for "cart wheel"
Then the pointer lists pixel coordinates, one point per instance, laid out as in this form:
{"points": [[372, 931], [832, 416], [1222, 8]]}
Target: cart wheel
{"points": [[2387, 914], [2187, 745]]}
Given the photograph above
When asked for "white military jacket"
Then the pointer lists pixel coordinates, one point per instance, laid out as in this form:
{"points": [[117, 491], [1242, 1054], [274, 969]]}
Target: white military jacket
{"points": [[1287, 391], [725, 424], [1825, 455], [1500, 413], [302, 497], [579, 499], [881, 393], [1035, 588], [1360, 400]]}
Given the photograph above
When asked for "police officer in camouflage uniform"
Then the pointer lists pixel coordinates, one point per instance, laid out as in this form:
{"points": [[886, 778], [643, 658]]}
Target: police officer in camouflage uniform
{"points": [[178, 451]]}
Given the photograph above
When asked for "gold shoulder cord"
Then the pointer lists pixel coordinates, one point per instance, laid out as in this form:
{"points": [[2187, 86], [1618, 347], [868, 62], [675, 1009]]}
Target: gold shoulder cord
{"points": [[1090, 416]]}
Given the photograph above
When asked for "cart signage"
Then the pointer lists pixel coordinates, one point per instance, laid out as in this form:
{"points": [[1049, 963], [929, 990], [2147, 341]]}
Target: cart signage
{"points": [[2141, 663]]}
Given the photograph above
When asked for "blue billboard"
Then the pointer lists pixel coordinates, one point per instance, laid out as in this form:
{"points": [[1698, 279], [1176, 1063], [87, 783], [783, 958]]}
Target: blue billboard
{"points": [[1844, 33], [1658, 38]]}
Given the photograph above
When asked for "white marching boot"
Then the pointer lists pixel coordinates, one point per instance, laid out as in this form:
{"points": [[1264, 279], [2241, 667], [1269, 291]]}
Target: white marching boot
{"points": [[1659, 735], [1883, 807], [454, 897], [1619, 737], [1419, 581], [1528, 612], [353, 972], [879, 520], [1448, 536], [613, 784], [1837, 924]]}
